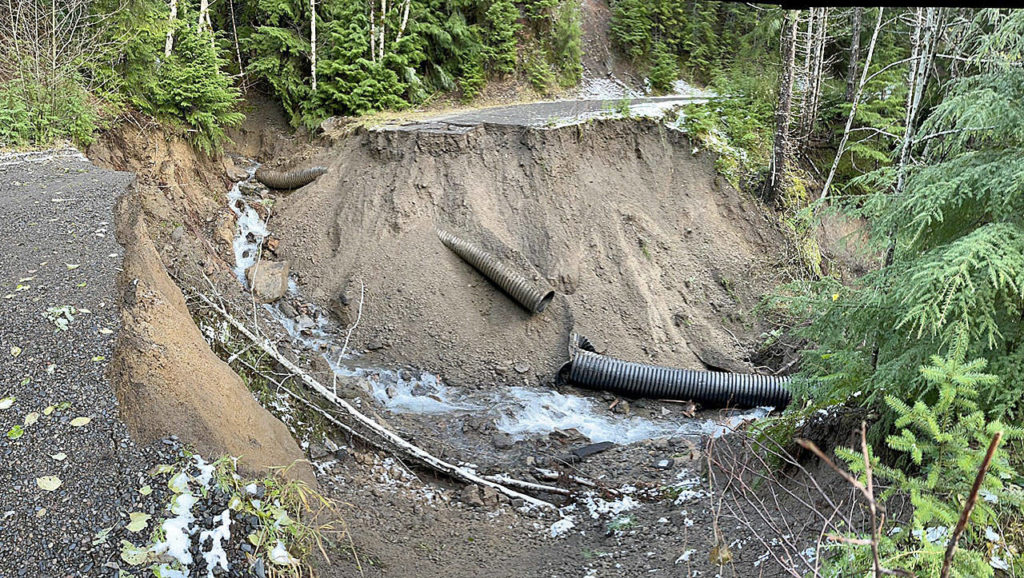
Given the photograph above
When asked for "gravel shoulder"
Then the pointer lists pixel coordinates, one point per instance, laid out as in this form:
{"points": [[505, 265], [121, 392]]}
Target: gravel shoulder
{"points": [[59, 252]]}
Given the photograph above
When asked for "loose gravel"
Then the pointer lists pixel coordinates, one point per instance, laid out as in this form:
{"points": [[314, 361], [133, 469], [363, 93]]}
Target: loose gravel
{"points": [[57, 250]]}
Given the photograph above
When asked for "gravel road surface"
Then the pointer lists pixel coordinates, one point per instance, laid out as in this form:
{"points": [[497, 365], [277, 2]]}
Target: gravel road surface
{"points": [[58, 254]]}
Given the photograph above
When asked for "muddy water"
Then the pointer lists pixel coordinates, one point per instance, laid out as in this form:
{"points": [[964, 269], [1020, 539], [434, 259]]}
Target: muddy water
{"points": [[519, 412]]}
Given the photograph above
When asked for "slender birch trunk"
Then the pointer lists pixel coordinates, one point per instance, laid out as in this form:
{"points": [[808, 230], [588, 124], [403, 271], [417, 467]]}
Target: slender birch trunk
{"points": [[373, 32], [383, 20], [169, 43], [204, 9], [785, 105], [851, 70], [312, 40], [853, 107], [405, 20], [817, 72]]}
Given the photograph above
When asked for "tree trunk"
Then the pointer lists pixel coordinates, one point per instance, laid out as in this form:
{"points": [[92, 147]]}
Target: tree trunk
{"points": [[204, 9], [169, 43], [925, 40], [312, 40], [818, 72], [802, 81], [851, 72], [373, 32], [234, 31], [785, 105], [853, 107], [405, 20], [383, 20]]}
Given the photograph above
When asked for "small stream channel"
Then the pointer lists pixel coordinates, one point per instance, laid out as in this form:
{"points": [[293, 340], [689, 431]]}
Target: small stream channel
{"points": [[519, 412]]}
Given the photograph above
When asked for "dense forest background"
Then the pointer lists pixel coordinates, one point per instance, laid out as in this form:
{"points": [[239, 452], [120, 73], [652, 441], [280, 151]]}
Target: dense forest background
{"points": [[911, 119]]}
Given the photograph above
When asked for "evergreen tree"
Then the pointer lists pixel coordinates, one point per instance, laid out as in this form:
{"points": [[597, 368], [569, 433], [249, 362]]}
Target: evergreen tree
{"points": [[567, 44], [189, 87], [500, 36], [957, 268], [665, 71]]}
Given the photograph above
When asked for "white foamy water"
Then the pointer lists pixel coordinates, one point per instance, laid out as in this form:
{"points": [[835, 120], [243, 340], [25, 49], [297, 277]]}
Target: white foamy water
{"points": [[250, 230], [537, 411]]}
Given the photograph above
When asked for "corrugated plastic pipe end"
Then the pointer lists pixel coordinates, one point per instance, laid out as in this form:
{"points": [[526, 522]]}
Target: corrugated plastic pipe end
{"points": [[545, 301], [512, 282]]}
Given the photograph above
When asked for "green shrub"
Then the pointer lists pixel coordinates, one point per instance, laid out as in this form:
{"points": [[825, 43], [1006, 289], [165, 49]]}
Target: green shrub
{"points": [[40, 114], [664, 72], [944, 444], [539, 72], [15, 126]]}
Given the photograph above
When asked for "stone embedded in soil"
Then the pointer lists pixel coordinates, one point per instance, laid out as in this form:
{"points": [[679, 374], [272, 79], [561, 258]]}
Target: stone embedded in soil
{"points": [[472, 496], [236, 173], [268, 279], [586, 451]]}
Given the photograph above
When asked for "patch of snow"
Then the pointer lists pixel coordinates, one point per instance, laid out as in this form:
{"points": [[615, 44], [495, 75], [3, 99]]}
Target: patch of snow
{"points": [[810, 555], [165, 571], [205, 471], [562, 526], [216, 556], [177, 530], [598, 507], [179, 483], [279, 555], [991, 535], [933, 534], [685, 556]]}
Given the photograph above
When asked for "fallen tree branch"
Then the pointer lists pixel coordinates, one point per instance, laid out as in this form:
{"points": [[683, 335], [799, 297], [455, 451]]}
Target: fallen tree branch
{"points": [[965, 515], [555, 475], [528, 486], [394, 440]]}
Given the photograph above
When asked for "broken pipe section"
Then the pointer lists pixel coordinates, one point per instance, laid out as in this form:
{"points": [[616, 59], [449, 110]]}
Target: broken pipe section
{"points": [[709, 388], [288, 180], [515, 284]]}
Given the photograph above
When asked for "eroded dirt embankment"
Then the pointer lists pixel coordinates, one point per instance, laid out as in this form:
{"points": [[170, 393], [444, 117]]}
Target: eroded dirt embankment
{"points": [[167, 380], [653, 256]]}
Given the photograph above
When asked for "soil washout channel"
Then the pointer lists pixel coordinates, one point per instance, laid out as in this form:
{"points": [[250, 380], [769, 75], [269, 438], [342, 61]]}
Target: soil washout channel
{"points": [[650, 253]]}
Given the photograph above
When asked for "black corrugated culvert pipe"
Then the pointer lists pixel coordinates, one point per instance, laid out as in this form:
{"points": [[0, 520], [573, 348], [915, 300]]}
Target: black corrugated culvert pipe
{"points": [[709, 388], [515, 284], [288, 180]]}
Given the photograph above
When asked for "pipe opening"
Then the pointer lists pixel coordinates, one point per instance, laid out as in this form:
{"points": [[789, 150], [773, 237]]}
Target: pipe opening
{"points": [[545, 301]]}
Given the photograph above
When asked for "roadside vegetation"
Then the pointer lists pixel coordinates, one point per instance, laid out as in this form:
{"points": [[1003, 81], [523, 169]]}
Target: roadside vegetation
{"points": [[68, 68]]}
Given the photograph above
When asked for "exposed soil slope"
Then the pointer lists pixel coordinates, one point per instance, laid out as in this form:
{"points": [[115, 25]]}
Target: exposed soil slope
{"points": [[168, 381], [652, 255]]}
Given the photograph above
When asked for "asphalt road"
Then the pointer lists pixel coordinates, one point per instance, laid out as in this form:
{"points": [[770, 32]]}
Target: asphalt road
{"points": [[542, 114]]}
